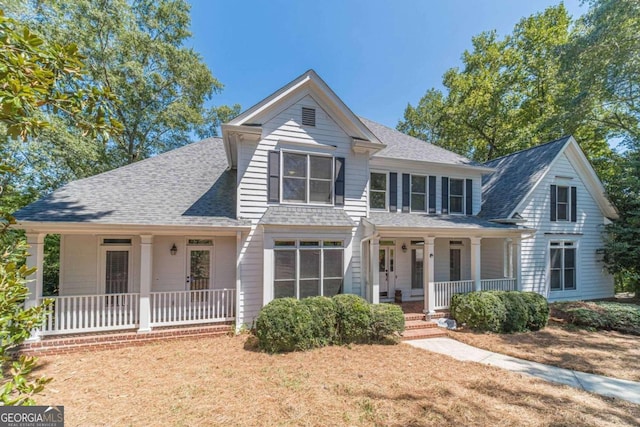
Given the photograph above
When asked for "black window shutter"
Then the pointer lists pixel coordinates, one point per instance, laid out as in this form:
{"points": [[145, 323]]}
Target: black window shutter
{"points": [[405, 192], [339, 184], [273, 186], [574, 204], [445, 195], [393, 192], [469, 197], [432, 194], [553, 203]]}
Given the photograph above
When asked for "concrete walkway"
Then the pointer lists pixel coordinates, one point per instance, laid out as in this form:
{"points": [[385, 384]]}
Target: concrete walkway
{"points": [[605, 386]]}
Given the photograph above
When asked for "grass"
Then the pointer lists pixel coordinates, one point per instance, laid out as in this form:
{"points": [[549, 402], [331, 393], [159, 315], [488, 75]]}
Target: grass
{"points": [[562, 344], [226, 381]]}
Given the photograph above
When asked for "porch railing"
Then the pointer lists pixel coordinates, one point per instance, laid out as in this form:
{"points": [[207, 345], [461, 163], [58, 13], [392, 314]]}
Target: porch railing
{"points": [[445, 290], [189, 307], [505, 284], [89, 313]]}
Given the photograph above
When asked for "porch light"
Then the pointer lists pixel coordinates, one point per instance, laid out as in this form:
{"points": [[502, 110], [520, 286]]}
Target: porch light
{"points": [[404, 247], [173, 249], [431, 255]]}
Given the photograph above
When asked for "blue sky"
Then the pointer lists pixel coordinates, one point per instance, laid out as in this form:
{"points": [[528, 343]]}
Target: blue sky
{"points": [[376, 55]]}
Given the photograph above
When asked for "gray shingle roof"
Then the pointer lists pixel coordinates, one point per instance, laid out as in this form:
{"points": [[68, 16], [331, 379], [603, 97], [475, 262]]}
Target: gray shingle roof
{"points": [[188, 186], [405, 147], [514, 176], [306, 215], [416, 220]]}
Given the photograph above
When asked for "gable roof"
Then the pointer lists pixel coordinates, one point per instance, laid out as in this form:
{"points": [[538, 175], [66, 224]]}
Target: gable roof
{"points": [[517, 175], [404, 147], [188, 186]]}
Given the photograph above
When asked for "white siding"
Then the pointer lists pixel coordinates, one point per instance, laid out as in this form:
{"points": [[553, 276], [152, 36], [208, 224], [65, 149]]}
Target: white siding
{"points": [[224, 268], [592, 279], [492, 253], [283, 130], [79, 262], [169, 273]]}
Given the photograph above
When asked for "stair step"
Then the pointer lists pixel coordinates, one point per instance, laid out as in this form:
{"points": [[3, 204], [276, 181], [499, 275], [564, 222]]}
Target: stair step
{"points": [[416, 334], [419, 324]]}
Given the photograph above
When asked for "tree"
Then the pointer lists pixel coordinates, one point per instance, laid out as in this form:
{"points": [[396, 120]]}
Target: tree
{"points": [[511, 94], [36, 77], [137, 50]]}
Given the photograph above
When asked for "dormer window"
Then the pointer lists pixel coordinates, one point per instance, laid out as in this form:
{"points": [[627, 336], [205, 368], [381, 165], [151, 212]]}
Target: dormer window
{"points": [[308, 116]]}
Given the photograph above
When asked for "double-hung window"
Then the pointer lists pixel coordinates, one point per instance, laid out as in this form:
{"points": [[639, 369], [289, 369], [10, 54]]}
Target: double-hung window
{"points": [[307, 178], [456, 196], [562, 266], [562, 203], [308, 268], [418, 193], [378, 191]]}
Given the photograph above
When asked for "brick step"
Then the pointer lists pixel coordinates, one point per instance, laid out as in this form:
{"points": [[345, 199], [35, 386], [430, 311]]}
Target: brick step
{"points": [[419, 324], [417, 334], [420, 316]]}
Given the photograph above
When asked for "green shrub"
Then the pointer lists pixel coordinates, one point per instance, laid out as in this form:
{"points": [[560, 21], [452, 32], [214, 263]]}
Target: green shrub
{"points": [[612, 316], [387, 321], [323, 319], [517, 311], [284, 325], [484, 311], [353, 318], [538, 310]]}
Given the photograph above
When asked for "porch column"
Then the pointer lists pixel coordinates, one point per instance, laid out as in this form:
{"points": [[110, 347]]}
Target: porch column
{"points": [[35, 259], [238, 280], [373, 265], [428, 276], [516, 261], [146, 272], [476, 273]]}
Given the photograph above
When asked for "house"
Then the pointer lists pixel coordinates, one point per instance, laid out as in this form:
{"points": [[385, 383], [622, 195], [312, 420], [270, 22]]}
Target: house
{"points": [[301, 197]]}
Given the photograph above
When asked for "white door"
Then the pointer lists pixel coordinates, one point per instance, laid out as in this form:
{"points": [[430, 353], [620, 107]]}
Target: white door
{"points": [[386, 270]]}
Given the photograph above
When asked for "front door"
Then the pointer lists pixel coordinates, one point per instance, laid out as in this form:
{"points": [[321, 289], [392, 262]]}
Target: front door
{"points": [[386, 270], [199, 274]]}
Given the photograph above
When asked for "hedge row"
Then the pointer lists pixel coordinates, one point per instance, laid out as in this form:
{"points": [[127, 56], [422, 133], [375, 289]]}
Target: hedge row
{"points": [[605, 315], [288, 324], [501, 311]]}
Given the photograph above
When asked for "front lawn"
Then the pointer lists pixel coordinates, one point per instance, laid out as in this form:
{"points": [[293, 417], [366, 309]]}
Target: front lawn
{"points": [[225, 381], [604, 352]]}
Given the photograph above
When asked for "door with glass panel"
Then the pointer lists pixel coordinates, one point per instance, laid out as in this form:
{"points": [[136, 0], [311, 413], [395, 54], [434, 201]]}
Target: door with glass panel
{"points": [[386, 268], [199, 272]]}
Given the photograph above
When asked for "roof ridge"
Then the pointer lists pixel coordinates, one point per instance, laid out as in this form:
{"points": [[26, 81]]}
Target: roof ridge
{"points": [[527, 149]]}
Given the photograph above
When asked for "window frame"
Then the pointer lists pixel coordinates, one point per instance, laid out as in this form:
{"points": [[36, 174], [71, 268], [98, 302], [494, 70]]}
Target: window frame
{"points": [[462, 196], [563, 245], [567, 203], [307, 178], [425, 194], [298, 246], [386, 190], [106, 246]]}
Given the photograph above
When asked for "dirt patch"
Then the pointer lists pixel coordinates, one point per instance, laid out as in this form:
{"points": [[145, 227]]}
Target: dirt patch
{"points": [[597, 352], [225, 381]]}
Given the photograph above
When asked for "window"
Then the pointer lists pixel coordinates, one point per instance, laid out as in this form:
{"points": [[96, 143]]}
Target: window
{"points": [[418, 193], [562, 266], [456, 196], [417, 268], [308, 116], [308, 268], [378, 191], [562, 203], [307, 178]]}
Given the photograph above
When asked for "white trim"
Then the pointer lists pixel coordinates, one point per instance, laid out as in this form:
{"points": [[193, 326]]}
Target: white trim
{"points": [[307, 178], [426, 193], [464, 196], [563, 292], [102, 262], [187, 259]]}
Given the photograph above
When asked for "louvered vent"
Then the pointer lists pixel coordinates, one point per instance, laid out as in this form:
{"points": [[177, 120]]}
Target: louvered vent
{"points": [[308, 116]]}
